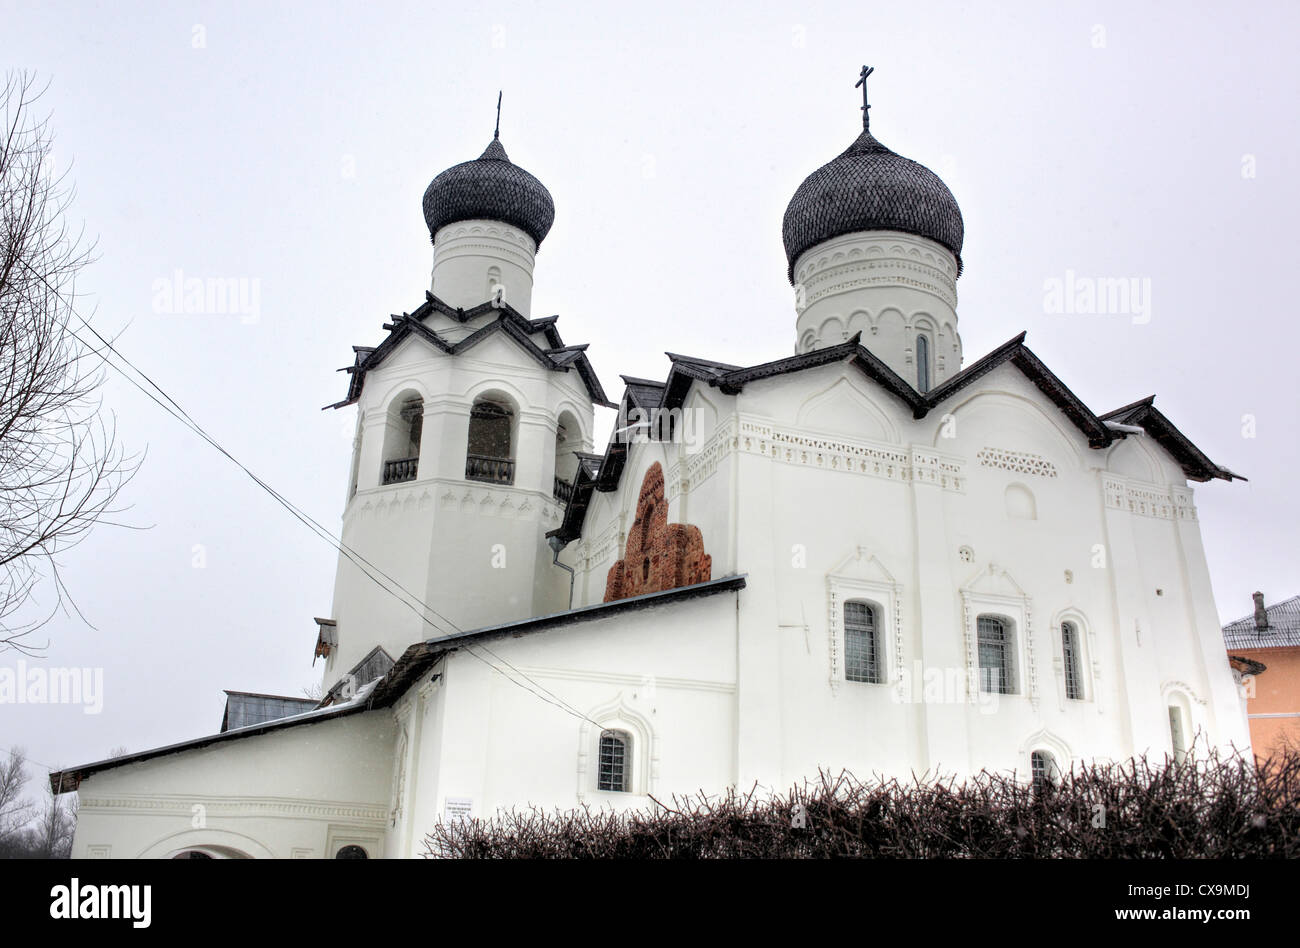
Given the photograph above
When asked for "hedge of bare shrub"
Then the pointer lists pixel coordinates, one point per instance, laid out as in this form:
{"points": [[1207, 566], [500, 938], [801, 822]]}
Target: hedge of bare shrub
{"points": [[1211, 807]]}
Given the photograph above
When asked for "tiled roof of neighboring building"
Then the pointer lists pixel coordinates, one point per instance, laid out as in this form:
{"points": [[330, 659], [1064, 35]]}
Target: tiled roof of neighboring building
{"points": [[1283, 628]]}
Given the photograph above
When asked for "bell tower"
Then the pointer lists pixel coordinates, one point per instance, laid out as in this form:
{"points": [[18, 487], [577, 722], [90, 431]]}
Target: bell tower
{"points": [[470, 419]]}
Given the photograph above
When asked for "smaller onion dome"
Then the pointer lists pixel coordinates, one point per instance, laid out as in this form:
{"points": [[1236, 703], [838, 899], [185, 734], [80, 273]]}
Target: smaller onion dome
{"points": [[492, 188], [868, 187]]}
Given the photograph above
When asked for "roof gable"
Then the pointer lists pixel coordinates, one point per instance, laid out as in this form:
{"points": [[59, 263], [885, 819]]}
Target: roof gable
{"points": [[1099, 431], [1160, 429], [554, 356]]}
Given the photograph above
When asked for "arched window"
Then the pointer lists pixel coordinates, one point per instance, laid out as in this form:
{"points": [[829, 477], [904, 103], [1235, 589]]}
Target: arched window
{"points": [[495, 291], [192, 854], [1177, 733], [1042, 770], [489, 456], [1070, 655], [922, 362], [862, 659], [351, 852], [402, 439], [615, 764], [997, 655]]}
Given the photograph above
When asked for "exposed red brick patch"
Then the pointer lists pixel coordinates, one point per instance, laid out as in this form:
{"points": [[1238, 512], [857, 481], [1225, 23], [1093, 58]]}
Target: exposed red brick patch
{"points": [[659, 555]]}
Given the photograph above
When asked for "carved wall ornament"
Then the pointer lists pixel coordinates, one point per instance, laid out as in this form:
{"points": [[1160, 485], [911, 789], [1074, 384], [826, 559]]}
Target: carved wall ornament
{"points": [[1020, 462]]}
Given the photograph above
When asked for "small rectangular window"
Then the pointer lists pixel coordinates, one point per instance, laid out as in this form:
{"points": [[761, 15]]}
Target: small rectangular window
{"points": [[1070, 652], [613, 762], [996, 656], [862, 659], [922, 363], [1042, 770]]}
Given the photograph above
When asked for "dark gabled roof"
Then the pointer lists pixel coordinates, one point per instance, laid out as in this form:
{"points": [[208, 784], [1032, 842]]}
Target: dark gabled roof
{"points": [[599, 610], [1014, 351], [1145, 415], [706, 370], [375, 664], [732, 379], [643, 393], [413, 664], [69, 779], [420, 658], [1018, 354], [556, 356], [589, 462], [1283, 628]]}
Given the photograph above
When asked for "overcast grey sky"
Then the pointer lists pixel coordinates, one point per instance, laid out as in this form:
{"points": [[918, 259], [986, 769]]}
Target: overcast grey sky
{"points": [[290, 145]]}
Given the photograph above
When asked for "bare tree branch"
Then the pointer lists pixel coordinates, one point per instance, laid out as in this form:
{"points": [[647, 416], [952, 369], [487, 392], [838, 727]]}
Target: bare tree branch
{"points": [[61, 468], [15, 810]]}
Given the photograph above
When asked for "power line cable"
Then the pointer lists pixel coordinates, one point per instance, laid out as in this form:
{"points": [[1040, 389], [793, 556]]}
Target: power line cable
{"points": [[179, 413]]}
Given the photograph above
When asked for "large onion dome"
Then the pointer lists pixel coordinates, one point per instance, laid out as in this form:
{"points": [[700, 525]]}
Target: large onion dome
{"points": [[868, 187], [492, 188]]}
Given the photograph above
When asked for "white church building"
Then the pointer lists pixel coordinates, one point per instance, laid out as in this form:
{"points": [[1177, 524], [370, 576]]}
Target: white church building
{"points": [[875, 554]]}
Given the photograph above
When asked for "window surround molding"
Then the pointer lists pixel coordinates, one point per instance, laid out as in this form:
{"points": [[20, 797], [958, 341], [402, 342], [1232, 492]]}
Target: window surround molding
{"points": [[862, 576], [642, 756], [1179, 694], [1089, 664], [1045, 741], [992, 592]]}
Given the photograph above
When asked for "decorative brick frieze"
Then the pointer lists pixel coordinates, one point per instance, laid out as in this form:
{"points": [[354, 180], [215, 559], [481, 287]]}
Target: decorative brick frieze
{"points": [[1019, 462], [1148, 500]]}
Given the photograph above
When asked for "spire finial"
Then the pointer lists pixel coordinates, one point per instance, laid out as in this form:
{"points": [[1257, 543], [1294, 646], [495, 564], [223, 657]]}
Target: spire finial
{"points": [[496, 132], [866, 116]]}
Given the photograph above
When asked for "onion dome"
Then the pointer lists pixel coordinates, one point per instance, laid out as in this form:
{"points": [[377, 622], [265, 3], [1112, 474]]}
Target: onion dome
{"points": [[868, 187], [491, 188]]}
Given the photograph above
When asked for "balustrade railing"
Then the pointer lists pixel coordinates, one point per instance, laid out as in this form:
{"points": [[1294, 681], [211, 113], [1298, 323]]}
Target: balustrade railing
{"points": [[491, 470], [403, 469]]}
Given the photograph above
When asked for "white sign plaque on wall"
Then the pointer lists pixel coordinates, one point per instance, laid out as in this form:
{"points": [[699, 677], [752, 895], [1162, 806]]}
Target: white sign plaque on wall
{"points": [[457, 809]]}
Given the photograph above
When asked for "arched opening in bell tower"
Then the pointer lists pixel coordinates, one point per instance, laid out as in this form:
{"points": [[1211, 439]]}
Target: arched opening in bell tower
{"points": [[490, 453], [402, 438], [568, 442]]}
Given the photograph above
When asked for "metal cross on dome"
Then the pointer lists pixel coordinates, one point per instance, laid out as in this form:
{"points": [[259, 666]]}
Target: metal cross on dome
{"points": [[496, 132], [866, 116]]}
